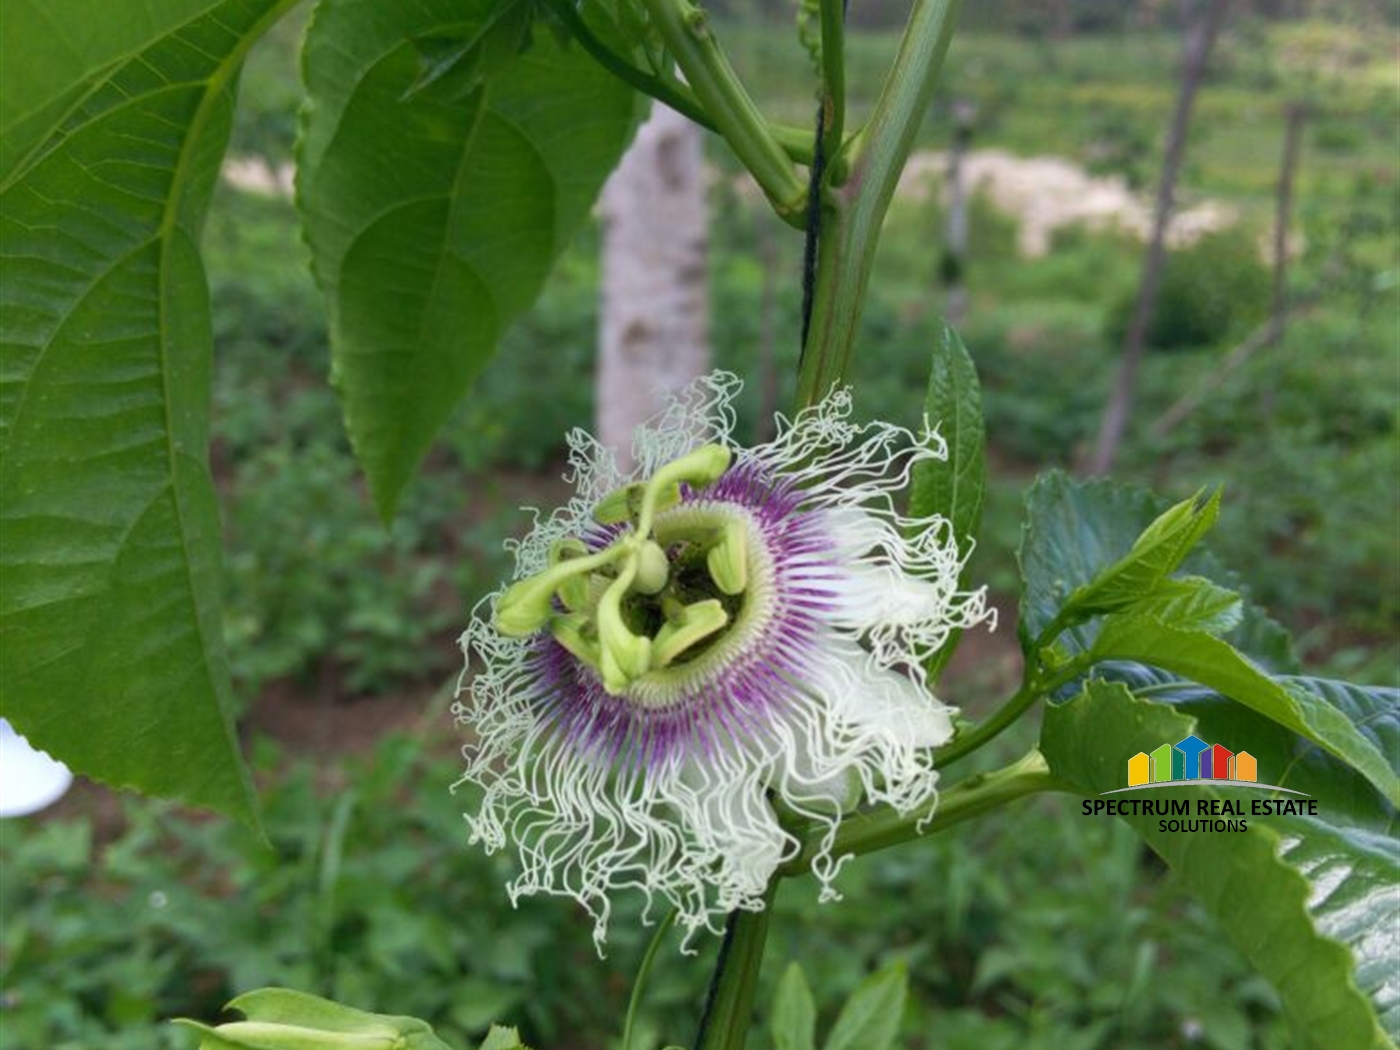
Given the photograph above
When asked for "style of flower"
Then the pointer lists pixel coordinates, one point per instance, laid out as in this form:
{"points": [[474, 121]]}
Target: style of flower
{"points": [[699, 657]]}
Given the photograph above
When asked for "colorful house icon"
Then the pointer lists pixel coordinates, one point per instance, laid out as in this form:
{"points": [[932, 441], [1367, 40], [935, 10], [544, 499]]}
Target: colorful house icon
{"points": [[1191, 759]]}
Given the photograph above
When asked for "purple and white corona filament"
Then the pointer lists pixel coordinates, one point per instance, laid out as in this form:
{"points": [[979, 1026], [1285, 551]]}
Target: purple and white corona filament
{"points": [[692, 654]]}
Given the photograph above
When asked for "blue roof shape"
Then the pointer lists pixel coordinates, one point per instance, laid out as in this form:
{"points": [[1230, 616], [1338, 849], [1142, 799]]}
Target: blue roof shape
{"points": [[1192, 747]]}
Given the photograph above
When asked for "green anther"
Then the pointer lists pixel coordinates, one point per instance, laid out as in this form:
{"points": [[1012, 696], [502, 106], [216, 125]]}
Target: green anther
{"points": [[624, 656], [625, 504], [653, 570], [728, 560], [696, 623], [700, 468], [526, 606], [574, 633]]}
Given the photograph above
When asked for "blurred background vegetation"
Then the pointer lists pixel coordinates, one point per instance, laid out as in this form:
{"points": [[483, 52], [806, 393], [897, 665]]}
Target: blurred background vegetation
{"points": [[1035, 929]]}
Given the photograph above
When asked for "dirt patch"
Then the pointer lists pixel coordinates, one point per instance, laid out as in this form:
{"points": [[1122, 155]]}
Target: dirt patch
{"points": [[1044, 194]]}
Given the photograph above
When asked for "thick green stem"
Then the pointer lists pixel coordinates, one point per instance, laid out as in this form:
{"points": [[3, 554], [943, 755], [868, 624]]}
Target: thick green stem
{"points": [[880, 828], [984, 731], [729, 1009], [853, 213], [686, 31], [1037, 683], [833, 16]]}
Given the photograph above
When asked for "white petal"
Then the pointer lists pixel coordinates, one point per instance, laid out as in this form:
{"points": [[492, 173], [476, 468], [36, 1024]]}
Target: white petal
{"points": [[854, 531], [875, 700], [801, 778], [724, 806], [871, 595]]}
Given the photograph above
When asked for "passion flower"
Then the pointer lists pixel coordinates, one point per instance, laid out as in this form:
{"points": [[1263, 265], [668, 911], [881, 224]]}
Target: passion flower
{"points": [[697, 658]]}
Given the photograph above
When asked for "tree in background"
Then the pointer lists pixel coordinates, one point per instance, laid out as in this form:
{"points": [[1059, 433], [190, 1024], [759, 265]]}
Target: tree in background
{"points": [[1200, 39], [653, 322]]}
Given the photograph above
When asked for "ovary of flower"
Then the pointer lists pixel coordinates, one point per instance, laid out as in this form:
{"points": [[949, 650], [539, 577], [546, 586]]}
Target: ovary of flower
{"points": [[724, 636]]}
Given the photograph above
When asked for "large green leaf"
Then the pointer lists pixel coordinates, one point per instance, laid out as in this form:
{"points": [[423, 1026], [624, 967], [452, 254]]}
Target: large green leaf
{"points": [[1202, 658], [55, 56], [110, 644], [1284, 757], [954, 487], [1309, 900], [1077, 533], [434, 216]]}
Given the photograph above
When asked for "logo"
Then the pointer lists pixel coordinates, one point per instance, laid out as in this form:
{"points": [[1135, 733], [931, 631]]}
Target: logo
{"points": [[1194, 763], [1193, 759]]}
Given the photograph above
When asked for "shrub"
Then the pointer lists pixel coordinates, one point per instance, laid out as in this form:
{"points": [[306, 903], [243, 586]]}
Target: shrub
{"points": [[1209, 292]]}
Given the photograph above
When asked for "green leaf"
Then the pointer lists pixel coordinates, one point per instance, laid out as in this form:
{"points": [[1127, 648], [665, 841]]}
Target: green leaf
{"points": [[1305, 899], [1192, 603], [1373, 710], [283, 1019], [1214, 663], [1156, 553], [51, 63], [1291, 761], [1354, 823], [794, 1013], [434, 217], [1074, 530], [455, 62], [110, 627], [871, 1017], [955, 487]]}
